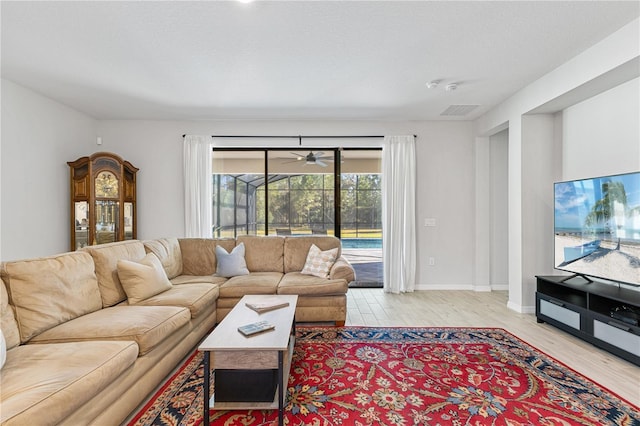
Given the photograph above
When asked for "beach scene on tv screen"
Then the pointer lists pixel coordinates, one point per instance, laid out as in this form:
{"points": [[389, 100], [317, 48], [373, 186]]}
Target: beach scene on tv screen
{"points": [[597, 227]]}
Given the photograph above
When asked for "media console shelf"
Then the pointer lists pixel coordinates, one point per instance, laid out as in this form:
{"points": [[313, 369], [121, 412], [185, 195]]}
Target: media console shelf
{"points": [[584, 308]]}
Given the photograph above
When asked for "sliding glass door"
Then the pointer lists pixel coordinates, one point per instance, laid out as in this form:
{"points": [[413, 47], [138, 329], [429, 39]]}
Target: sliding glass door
{"points": [[361, 215], [300, 193], [293, 192], [237, 180]]}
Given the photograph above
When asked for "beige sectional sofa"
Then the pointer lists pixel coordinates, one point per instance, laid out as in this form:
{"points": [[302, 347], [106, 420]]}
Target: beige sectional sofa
{"points": [[78, 353]]}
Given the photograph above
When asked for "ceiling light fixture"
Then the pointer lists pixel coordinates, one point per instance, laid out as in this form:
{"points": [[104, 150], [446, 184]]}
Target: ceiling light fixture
{"points": [[451, 87], [433, 84]]}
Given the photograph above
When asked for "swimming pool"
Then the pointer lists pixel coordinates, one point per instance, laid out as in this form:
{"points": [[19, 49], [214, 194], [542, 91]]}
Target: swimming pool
{"points": [[362, 243]]}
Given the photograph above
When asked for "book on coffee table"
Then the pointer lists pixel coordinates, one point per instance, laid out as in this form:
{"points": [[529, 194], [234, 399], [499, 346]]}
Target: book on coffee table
{"points": [[266, 305], [255, 328]]}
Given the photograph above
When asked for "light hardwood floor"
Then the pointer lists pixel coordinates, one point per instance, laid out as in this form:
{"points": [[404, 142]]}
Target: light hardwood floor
{"points": [[373, 307]]}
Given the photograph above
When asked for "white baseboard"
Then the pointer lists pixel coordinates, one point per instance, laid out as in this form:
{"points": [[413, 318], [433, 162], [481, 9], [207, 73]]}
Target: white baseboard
{"points": [[521, 309], [443, 287], [465, 287]]}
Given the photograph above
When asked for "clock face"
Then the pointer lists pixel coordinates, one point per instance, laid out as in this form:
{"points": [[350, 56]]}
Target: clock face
{"points": [[106, 185]]}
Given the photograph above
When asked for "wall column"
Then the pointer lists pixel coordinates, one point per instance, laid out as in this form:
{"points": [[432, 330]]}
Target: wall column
{"points": [[482, 271], [515, 214], [533, 167]]}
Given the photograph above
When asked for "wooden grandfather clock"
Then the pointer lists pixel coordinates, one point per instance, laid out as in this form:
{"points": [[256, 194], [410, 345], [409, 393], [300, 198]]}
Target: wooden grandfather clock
{"points": [[103, 200]]}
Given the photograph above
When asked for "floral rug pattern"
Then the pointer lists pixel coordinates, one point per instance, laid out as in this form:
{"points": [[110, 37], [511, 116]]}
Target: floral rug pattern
{"points": [[409, 376]]}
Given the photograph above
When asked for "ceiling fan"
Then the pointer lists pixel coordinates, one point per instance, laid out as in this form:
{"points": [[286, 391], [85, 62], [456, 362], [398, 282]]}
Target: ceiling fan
{"points": [[318, 158]]}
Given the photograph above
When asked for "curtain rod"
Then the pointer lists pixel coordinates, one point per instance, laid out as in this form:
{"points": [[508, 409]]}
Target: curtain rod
{"points": [[299, 137]]}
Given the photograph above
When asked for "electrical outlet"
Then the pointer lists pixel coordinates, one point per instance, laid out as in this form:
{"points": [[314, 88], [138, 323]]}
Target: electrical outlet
{"points": [[429, 222], [432, 261]]}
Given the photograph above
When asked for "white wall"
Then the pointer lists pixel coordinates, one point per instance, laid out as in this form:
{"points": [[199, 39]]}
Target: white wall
{"points": [[499, 210], [39, 136], [444, 179], [601, 135], [446, 193]]}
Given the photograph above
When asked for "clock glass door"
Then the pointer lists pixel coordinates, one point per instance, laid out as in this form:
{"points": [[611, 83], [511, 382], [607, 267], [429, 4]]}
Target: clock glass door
{"points": [[107, 207], [82, 224]]}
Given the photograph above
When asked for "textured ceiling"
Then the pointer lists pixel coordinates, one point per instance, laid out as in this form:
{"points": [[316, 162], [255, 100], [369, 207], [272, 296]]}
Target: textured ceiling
{"points": [[293, 59]]}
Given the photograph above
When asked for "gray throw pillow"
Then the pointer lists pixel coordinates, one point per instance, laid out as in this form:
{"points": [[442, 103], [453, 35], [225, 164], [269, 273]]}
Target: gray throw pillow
{"points": [[231, 264]]}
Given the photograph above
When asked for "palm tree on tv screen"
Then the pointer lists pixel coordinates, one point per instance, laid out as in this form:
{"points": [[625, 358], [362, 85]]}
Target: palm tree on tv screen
{"points": [[605, 208]]}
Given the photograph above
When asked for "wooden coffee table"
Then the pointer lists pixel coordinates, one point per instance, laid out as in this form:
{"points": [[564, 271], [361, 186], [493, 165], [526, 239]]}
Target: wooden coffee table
{"points": [[237, 359]]}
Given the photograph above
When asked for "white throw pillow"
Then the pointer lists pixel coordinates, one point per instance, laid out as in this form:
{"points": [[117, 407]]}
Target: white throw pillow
{"points": [[319, 262], [3, 350], [143, 279], [231, 264]]}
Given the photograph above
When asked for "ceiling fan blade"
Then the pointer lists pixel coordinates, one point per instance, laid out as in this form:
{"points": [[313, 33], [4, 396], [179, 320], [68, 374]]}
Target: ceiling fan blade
{"points": [[321, 163], [319, 154]]}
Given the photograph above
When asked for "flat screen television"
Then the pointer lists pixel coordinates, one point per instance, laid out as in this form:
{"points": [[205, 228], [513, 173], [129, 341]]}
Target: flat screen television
{"points": [[597, 227]]}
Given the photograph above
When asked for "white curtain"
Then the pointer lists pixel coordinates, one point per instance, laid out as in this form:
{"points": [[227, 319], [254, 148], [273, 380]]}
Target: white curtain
{"points": [[398, 213], [198, 189]]}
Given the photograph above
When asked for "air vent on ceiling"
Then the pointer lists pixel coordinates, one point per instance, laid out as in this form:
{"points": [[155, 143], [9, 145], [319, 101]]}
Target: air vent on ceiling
{"points": [[459, 110]]}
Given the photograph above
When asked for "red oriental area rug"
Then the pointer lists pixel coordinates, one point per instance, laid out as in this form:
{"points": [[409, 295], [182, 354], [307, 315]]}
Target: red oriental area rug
{"points": [[409, 376]]}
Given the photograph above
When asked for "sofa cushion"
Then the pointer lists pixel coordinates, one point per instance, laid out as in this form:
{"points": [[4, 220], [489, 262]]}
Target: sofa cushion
{"points": [[254, 283], [319, 262], [228, 302], [297, 248], [106, 258], [44, 384], [309, 285], [146, 325], [342, 270], [51, 290], [8, 323], [168, 251], [263, 254], [195, 297], [142, 279], [199, 254], [231, 264], [196, 279]]}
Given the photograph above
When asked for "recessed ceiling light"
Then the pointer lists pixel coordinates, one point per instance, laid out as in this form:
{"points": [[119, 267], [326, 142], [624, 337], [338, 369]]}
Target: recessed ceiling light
{"points": [[433, 84], [451, 87]]}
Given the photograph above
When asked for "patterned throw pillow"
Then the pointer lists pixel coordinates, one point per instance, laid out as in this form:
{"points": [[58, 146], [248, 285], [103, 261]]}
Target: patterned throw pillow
{"points": [[319, 262]]}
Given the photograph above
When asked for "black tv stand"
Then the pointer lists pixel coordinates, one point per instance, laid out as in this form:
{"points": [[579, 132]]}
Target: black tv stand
{"points": [[584, 309]]}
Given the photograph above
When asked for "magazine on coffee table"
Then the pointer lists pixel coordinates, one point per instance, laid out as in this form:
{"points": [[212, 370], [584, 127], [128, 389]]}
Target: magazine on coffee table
{"points": [[255, 328], [265, 305]]}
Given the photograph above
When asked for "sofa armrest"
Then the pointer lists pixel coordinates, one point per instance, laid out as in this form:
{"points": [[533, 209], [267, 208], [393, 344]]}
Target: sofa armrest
{"points": [[342, 269]]}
